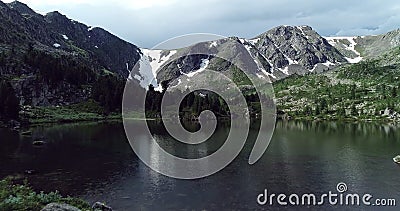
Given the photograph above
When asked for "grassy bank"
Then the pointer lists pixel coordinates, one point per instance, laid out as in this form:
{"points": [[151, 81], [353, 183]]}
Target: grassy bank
{"points": [[16, 196], [86, 111]]}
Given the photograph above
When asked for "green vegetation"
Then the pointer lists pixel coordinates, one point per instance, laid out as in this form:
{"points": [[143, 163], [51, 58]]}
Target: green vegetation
{"points": [[85, 111], [191, 106], [108, 91], [239, 77], [358, 91], [196, 102], [22, 197], [56, 68], [9, 103]]}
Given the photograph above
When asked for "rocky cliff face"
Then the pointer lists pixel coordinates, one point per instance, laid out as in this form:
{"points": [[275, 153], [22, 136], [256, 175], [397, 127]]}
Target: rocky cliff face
{"points": [[299, 47]]}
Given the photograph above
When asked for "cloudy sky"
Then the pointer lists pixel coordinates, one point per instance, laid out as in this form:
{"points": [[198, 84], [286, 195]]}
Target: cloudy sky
{"points": [[148, 22]]}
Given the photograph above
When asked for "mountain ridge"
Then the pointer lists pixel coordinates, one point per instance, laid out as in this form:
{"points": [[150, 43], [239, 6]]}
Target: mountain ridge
{"points": [[282, 59], [286, 50]]}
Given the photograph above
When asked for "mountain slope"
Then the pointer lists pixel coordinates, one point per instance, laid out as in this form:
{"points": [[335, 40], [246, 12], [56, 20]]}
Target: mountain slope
{"points": [[52, 60]]}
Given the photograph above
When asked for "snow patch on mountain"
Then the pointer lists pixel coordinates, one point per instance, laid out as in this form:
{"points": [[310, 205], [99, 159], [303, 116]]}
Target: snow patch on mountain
{"points": [[350, 47], [285, 70], [157, 58], [213, 44], [328, 63], [291, 61], [146, 76], [354, 60], [254, 41], [149, 63], [203, 66]]}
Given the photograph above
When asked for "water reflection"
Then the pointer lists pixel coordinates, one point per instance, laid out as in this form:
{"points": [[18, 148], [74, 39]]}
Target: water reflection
{"points": [[95, 161]]}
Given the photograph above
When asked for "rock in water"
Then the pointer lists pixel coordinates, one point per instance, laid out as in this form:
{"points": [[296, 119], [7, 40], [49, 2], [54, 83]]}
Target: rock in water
{"points": [[38, 143], [59, 207], [26, 133], [397, 159], [98, 206], [30, 171]]}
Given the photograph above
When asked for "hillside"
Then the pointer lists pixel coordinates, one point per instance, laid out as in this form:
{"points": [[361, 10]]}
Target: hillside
{"points": [[368, 90], [52, 61]]}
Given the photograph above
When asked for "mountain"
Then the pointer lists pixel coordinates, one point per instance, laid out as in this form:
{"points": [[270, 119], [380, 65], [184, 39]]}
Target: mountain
{"points": [[366, 89], [277, 54], [356, 77], [52, 60]]}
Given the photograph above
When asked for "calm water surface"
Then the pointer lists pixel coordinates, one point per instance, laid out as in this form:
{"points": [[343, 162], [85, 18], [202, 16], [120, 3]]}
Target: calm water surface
{"points": [[95, 162]]}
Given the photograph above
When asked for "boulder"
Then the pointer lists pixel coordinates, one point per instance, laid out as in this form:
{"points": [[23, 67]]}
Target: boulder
{"points": [[38, 143], [98, 206], [59, 207]]}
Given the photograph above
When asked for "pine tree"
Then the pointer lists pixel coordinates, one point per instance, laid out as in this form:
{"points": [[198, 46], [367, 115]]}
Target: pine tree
{"points": [[394, 92], [9, 103]]}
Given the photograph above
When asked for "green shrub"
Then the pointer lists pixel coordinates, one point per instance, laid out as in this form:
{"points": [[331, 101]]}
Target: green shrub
{"points": [[22, 197]]}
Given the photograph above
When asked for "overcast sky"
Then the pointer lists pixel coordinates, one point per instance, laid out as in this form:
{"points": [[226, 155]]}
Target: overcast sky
{"points": [[148, 22]]}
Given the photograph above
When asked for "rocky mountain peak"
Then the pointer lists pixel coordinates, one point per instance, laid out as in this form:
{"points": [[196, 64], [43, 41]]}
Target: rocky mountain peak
{"points": [[299, 48], [56, 16], [286, 30], [21, 8]]}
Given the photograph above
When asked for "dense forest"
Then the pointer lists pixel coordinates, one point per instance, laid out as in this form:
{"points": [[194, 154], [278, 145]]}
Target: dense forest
{"points": [[9, 103], [195, 102], [54, 68]]}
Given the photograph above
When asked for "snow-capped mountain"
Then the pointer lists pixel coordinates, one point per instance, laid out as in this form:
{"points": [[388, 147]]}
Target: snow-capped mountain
{"points": [[275, 54]]}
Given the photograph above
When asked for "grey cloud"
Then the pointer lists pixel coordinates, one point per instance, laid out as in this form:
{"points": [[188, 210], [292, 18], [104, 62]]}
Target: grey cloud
{"points": [[149, 26]]}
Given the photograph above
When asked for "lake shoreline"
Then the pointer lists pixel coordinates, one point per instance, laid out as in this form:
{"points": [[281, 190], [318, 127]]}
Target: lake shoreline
{"points": [[27, 123]]}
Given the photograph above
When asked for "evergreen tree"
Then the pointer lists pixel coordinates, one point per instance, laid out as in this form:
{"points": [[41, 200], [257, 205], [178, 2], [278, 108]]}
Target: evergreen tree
{"points": [[9, 103], [394, 92]]}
